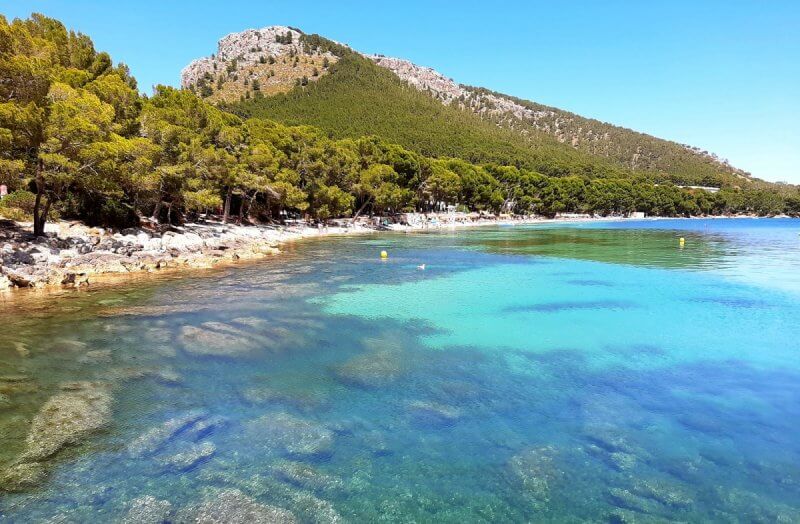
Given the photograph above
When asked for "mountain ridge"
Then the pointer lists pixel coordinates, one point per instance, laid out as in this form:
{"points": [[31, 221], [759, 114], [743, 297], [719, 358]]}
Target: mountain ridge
{"points": [[533, 123], [448, 91]]}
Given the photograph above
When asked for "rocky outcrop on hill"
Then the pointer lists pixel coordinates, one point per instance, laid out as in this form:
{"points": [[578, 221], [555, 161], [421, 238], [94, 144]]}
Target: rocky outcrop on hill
{"points": [[256, 62], [247, 48]]}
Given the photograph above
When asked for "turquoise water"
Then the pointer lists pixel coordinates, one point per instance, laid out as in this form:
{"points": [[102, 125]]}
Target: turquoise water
{"points": [[590, 372]]}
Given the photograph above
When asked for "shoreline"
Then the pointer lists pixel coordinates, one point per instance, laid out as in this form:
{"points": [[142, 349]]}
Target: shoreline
{"points": [[76, 256]]}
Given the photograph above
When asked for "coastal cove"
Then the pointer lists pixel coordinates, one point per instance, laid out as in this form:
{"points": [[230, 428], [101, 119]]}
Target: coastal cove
{"points": [[75, 256], [522, 375]]}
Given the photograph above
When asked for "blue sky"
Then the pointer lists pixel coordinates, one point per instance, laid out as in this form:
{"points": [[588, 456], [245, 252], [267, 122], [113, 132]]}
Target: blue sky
{"points": [[724, 76]]}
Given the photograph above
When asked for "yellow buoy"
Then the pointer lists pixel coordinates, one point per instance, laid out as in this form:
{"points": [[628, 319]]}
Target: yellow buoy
{"points": [[384, 254], [682, 241]]}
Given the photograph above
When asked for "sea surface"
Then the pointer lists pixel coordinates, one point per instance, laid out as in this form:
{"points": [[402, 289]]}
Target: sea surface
{"points": [[580, 372]]}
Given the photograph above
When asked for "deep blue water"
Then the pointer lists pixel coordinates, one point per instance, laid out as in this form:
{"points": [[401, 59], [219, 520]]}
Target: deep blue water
{"points": [[555, 373]]}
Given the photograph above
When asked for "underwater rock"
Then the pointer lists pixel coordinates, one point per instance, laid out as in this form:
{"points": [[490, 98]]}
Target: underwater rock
{"points": [[373, 369], [67, 344], [375, 441], [253, 322], [535, 469], [316, 510], [22, 477], [262, 395], [624, 499], [687, 470], [425, 413], [205, 427], [68, 418], [168, 376], [22, 349], [702, 423], [164, 375], [97, 356], [122, 374], [147, 510], [189, 457], [626, 516], [666, 493], [305, 476], [738, 505], [16, 384], [619, 460], [231, 506], [622, 516], [608, 437], [622, 461], [12, 379], [289, 434], [218, 339], [154, 439]]}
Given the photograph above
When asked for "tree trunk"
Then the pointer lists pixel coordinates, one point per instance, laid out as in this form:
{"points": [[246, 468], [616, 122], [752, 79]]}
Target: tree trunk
{"points": [[227, 211], [250, 206], [39, 220], [241, 210], [361, 209], [157, 210], [38, 230], [159, 203], [38, 223]]}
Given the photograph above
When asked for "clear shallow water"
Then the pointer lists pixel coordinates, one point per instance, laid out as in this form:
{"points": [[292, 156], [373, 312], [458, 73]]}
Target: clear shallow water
{"points": [[544, 373]]}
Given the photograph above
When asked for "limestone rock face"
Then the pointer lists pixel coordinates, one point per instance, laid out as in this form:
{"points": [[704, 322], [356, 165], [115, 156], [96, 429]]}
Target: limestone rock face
{"points": [[420, 77], [247, 48]]}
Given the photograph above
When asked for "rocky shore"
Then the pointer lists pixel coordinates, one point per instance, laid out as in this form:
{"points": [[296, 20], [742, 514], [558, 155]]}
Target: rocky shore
{"points": [[74, 255]]}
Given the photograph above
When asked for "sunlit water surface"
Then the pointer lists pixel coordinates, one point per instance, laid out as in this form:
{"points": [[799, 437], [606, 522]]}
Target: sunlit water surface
{"points": [[542, 373]]}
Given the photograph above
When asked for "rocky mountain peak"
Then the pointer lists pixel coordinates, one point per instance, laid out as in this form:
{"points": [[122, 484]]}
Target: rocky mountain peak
{"points": [[246, 48], [256, 62]]}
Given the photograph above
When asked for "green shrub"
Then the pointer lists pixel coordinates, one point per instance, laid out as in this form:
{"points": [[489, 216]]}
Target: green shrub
{"points": [[18, 205], [21, 199]]}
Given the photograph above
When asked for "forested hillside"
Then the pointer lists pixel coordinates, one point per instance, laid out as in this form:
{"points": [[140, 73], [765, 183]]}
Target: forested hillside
{"points": [[358, 98], [431, 114], [77, 140], [663, 159]]}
